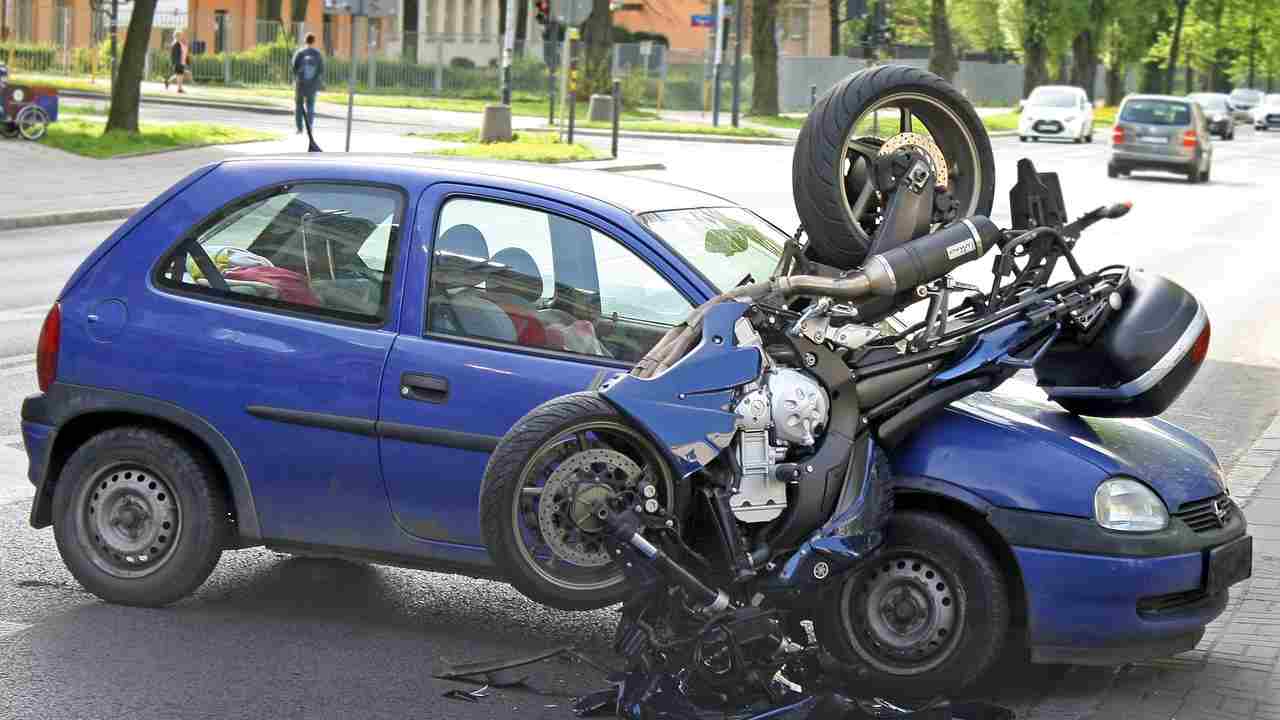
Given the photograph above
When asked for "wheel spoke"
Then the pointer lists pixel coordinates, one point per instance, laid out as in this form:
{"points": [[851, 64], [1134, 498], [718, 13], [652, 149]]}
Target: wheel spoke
{"points": [[860, 205], [531, 491], [582, 440], [864, 148], [904, 120]]}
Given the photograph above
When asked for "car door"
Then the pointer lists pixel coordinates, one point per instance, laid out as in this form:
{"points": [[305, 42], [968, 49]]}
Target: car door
{"points": [[280, 320], [522, 299]]}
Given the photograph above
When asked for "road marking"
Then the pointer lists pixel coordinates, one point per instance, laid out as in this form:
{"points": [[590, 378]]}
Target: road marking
{"points": [[1255, 465], [14, 484]]}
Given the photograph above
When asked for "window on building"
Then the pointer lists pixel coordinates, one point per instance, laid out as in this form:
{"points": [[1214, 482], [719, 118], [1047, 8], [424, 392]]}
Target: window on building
{"points": [[798, 22], [468, 17], [23, 20], [220, 31], [486, 14], [429, 16]]}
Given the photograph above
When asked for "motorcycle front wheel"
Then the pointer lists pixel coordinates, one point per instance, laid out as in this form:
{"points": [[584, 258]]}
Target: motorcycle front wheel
{"points": [[845, 131], [554, 466]]}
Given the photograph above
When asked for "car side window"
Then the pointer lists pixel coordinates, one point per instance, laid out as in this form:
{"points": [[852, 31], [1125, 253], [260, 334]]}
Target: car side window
{"points": [[323, 248], [518, 275]]}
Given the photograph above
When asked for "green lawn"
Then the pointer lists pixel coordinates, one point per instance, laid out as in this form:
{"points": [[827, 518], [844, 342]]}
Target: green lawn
{"points": [[85, 137], [528, 147], [779, 121], [994, 123], [1001, 122], [662, 126]]}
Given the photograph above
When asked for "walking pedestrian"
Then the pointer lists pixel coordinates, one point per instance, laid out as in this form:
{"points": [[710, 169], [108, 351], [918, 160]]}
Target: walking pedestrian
{"points": [[308, 74], [178, 56]]}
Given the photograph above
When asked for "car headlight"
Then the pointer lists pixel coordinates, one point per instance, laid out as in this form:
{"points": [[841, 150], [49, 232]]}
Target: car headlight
{"points": [[1129, 506]]}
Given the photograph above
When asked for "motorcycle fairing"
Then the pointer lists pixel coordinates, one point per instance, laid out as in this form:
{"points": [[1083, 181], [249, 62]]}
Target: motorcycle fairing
{"points": [[689, 408]]}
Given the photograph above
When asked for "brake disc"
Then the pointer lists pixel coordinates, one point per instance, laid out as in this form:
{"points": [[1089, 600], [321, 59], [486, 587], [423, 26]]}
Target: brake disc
{"points": [[576, 489], [924, 144]]}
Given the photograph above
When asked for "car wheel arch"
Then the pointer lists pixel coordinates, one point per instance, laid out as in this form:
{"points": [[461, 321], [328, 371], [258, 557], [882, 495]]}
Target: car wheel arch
{"points": [[106, 411], [971, 512]]}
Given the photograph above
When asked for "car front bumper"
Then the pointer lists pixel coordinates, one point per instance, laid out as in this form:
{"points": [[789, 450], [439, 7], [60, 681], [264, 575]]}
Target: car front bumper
{"points": [[1050, 129], [1097, 597]]}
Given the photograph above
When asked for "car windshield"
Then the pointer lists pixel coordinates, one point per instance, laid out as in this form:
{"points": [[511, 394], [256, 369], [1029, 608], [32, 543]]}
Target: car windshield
{"points": [[1249, 97], [725, 244], [1156, 112], [1053, 97], [1272, 100], [1211, 102]]}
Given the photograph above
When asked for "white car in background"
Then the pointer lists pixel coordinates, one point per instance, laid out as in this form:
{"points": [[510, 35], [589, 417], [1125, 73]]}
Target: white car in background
{"points": [[1057, 111], [1267, 115]]}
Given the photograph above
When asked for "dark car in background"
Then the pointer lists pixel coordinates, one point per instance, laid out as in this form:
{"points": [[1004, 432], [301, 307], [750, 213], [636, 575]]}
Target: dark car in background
{"points": [[1243, 102], [1161, 132], [1218, 113]]}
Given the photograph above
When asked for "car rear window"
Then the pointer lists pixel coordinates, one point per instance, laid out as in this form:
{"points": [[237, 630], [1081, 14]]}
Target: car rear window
{"points": [[1211, 102], [1252, 97], [1156, 112]]}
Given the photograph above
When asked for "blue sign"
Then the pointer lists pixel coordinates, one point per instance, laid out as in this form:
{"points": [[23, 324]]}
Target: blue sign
{"points": [[702, 20]]}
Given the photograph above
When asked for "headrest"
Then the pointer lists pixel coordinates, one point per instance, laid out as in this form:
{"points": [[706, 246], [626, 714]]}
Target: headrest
{"points": [[464, 240], [520, 276]]}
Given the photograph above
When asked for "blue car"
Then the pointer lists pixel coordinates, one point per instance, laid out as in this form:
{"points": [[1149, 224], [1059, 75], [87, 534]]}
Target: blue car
{"points": [[319, 354]]}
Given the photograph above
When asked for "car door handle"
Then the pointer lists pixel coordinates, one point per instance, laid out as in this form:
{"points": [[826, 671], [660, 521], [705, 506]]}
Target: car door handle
{"points": [[424, 387]]}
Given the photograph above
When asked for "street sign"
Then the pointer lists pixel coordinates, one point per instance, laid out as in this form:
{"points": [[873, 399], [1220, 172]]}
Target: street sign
{"points": [[702, 20]]}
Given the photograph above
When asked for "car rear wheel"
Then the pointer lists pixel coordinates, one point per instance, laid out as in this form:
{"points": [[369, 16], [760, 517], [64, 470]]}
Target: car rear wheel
{"points": [[1193, 173], [139, 517], [1112, 171], [927, 616], [1204, 176]]}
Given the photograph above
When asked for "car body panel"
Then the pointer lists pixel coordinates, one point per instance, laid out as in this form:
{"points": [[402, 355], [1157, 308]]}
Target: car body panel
{"points": [[1218, 113], [1244, 101], [335, 457]]}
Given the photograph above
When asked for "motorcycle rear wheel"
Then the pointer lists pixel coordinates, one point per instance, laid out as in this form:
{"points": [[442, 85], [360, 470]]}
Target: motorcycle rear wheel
{"points": [[544, 552], [830, 167]]}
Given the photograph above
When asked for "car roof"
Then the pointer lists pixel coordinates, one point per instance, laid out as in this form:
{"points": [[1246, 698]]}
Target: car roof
{"points": [[1169, 98], [626, 192], [1059, 87]]}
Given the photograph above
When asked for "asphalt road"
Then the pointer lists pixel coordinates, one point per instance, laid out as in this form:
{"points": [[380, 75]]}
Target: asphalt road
{"points": [[277, 636]]}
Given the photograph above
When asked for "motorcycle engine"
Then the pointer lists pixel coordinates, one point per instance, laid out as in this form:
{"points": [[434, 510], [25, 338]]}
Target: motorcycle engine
{"points": [[784, 409]]}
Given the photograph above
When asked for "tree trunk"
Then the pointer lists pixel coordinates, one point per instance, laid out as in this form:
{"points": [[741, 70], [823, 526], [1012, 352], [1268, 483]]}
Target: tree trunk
{"points": [[126, 91], [833, 15], [1064, 69], [942, 56], [764, 57], [1035, 52], [1115, 84], [1173, 47], [1084, 60], [597, 35], [522, 25]]}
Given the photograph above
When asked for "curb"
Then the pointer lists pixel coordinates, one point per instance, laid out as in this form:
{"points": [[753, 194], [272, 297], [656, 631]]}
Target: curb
{"points": [[682, 137], [67, 217], [260, 109], [631, 168]]}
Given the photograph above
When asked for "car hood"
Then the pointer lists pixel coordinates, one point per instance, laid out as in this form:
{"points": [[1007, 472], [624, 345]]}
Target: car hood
{"points": [[1045, 112], [1176, 464]]}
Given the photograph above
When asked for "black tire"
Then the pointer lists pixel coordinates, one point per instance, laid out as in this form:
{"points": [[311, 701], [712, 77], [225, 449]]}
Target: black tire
{"points": [[1193, 173], [504, 480], [1112, 172], [1022, 138], [124, 473], [818, 165], [936, 559], [1204, 176]]}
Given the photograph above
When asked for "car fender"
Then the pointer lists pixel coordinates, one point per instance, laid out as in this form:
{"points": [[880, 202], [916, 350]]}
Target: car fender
{"points": [[65, 403]]}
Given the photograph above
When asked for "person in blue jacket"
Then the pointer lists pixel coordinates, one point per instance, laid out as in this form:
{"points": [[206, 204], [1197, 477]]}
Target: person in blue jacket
{"points": [[308, 75]]}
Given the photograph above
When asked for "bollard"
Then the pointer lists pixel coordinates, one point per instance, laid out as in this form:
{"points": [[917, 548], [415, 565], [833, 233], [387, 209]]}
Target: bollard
{"points": [[551, 97], [813, 96], [617, 113], [573, 103]]}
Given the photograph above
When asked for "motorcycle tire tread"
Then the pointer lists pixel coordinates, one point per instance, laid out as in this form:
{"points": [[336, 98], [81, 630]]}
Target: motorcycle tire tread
{"points": [[817, 167], [502, 479]]}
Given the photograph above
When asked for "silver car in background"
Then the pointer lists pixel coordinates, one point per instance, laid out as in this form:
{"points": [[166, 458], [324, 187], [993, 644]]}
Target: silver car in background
{"points": [[1217, 110], [1161, 132]]}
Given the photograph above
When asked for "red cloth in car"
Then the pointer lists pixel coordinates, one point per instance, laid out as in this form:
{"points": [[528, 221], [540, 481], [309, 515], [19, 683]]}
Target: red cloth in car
{"points": [[530, 331], [293, 287]]}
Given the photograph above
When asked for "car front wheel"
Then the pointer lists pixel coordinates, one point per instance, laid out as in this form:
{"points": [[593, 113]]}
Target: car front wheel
{"points": [[139, 517], [927, 616]]}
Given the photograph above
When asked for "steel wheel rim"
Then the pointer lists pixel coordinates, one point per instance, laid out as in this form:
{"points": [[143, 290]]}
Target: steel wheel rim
{"points": [[903, 643], [933, 115], [534, 476], [130, 522]]}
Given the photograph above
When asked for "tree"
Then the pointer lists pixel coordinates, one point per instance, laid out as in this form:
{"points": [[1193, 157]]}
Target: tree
{"points": [[833, 16], [597, 35], [1085, 47], [942, 56], [764, 57], [1173, 46], [1035, 43], [126, 91]]}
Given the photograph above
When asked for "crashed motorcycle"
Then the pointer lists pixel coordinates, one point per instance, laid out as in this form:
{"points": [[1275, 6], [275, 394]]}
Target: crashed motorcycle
{"points": [[739, 477]]}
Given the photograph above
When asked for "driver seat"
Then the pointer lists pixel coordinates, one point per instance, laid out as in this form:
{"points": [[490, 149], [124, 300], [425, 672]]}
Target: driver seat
{"points": [[456, 305]]}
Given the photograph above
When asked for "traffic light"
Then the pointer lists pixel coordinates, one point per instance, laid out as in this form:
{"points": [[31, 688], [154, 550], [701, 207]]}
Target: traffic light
{"points": [[543, 8]]}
